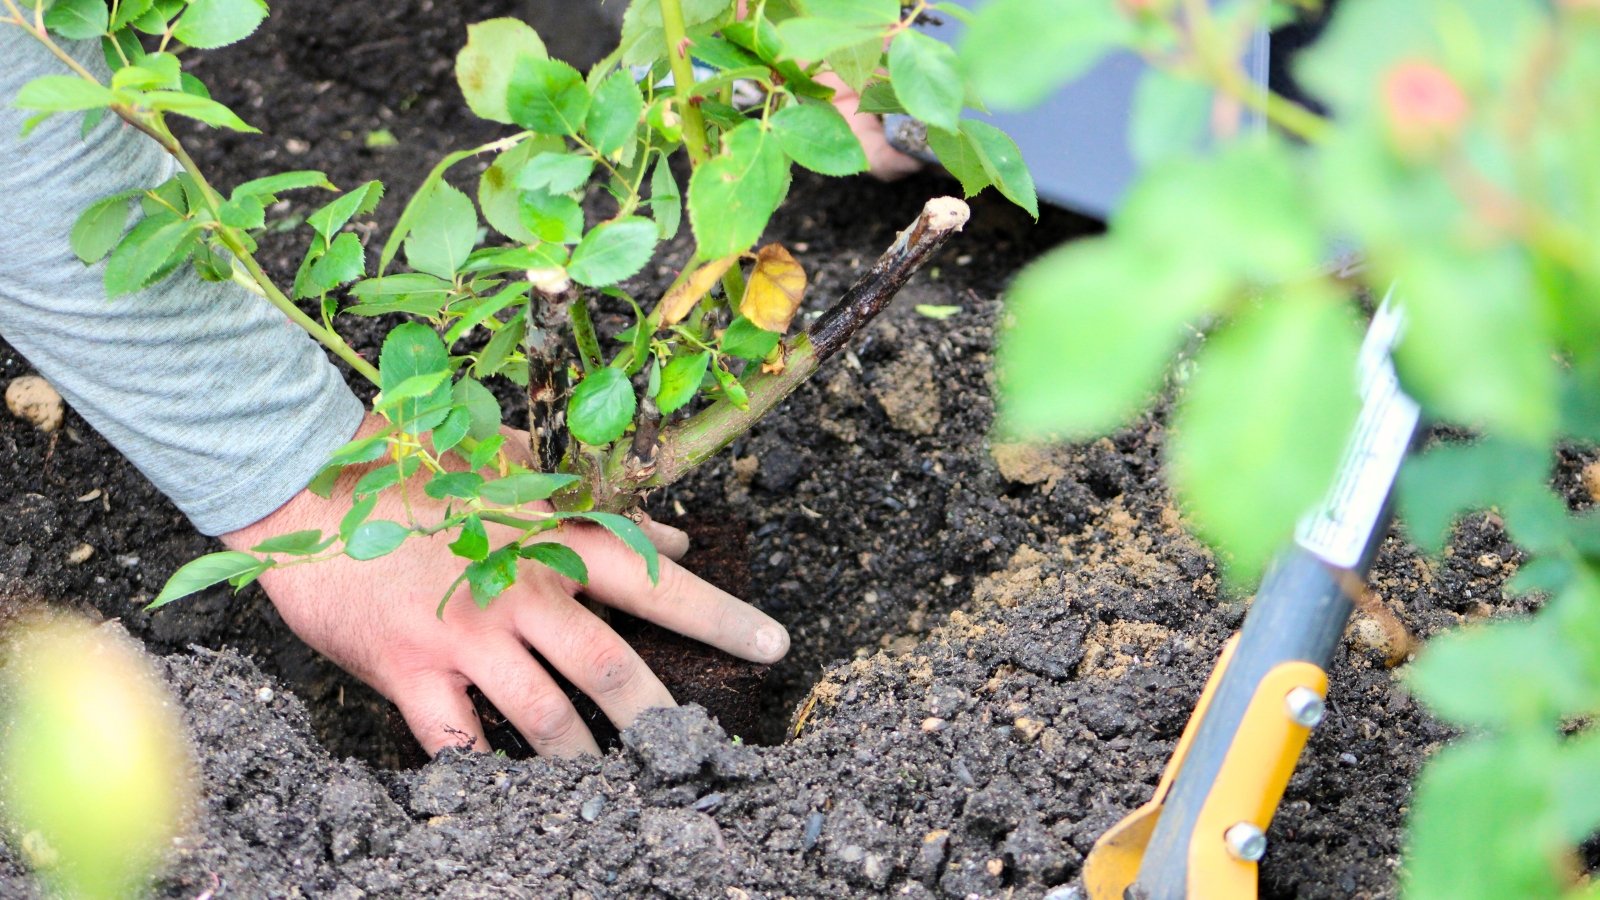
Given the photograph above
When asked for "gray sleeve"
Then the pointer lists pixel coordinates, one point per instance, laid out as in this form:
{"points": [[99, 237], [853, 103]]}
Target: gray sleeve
{"points": [[222, 402]]}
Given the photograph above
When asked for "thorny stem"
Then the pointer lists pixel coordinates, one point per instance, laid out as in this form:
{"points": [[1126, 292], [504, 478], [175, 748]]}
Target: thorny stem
{"points": [[153, 127], [694, 126], [681, 448]]}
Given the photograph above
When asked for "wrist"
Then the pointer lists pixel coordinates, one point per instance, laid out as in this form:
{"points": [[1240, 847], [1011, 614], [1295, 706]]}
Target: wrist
{"points": [[305, 509]]}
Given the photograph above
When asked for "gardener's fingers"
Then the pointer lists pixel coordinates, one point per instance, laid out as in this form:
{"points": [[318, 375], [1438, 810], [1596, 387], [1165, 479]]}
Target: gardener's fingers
{"points": [[671, 542], [439, 714], [593, 658], [679, 600], [524, 693]]}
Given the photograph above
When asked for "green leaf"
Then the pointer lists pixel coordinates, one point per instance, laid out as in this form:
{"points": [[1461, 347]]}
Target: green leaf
{"points": [[547, 96], [412, 350], [1257, 439], [272, 185], [217, 23], [485, 454], [409, 215], [498, 195], [493, 357], [462, 485], [379, 537], [156, 71], [489, 577], [201, 109], [62, 93], [815, 38], [563, 559], [295, 543], [444, 234], [380, 479], [614, 116], [629, 533], [1238, 212], [733, 195], [404, 284], [1171, 116], [557, 173], [680, 380], [879, 99], [527, 487], [856, 64], [483, 410], [643, 39], [346, 260], [875, 13], [666, 202], [1094, 325], [818, 137], [556, 218], [1482, 824], [927, 78], [1002, 162], [1437, 487], [213, 568], [613, 252], [145, 252], [329, 219], [732, 390], [78, 20], [484, 65], [243, 212], [1479, 305], [127, 11], [601, 407], [957, 153], [1481, 676], [101, 226], [1017, 52], [473, 542], [747, 340], [447, 434]]}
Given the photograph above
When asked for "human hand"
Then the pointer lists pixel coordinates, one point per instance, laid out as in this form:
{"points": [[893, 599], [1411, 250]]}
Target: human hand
{"points": [[377, 621], [884, 162]]}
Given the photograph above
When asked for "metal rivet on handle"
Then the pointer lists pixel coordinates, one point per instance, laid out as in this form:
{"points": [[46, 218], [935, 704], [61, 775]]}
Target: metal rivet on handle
{"points": [[1246, 842], [1306, 706]]}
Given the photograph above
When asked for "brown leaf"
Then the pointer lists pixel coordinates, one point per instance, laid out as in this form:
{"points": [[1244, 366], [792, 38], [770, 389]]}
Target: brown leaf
{"points": [[681, 299], [776, 288]]}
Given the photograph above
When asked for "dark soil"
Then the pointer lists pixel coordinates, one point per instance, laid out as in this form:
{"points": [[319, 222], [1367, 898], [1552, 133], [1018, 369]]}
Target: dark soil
{"points": [[994, 647]]}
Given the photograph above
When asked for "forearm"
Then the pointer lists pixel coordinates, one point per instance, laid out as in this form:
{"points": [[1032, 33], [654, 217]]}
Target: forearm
{"points": [[222, 402]]}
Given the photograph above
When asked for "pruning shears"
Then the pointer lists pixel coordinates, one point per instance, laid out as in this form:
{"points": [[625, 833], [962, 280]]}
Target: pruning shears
{"points": [[1203, 833]]}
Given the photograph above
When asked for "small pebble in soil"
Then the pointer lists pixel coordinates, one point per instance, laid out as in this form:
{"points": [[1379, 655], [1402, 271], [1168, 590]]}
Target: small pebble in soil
{"points": [[934, 724], [32, 399], [709, 802], [1064, 892], [963, 774], [1028, 729], [80, 554], [265, 695], [1348, 759], [808, 838], [590, 810]]}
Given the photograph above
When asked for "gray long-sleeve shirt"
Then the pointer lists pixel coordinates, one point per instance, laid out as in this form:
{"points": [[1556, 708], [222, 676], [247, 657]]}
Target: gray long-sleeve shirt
{"points": [[222, 402]]}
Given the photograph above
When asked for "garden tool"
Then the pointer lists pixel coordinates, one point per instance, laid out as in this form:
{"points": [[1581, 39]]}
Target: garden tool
{"points": [[1204, 832]]}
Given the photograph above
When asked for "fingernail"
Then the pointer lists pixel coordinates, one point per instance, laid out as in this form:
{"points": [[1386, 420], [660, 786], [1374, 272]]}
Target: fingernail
{"points": [[772, 642]]}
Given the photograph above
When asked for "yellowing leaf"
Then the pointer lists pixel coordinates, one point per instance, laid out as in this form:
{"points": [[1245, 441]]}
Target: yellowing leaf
{"points": [[776, 288], [678, 301]]}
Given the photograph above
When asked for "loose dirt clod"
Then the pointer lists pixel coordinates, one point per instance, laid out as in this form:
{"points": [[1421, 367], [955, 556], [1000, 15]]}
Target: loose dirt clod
{"points": [[32, 399]]}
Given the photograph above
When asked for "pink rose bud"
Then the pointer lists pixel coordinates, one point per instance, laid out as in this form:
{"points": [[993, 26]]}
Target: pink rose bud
{"points": [[1424, 106]]}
